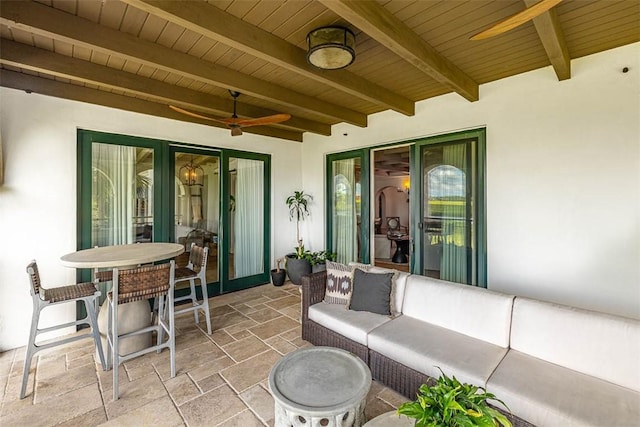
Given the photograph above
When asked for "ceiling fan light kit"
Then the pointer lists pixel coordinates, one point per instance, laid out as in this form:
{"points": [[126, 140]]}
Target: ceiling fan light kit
{"points": [[331, 48]]}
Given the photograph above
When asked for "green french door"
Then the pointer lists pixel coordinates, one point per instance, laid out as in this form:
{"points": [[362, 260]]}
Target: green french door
{"points": [[347, 206], [450, 241], [221, 200], [195, 198], [446, 203], [245, 215], [134, 189]]}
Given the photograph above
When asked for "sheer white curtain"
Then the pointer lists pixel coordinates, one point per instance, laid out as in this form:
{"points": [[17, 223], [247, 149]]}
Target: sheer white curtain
{"points": [[249, 219], [345, 221], [114, 193], [454, 249]]}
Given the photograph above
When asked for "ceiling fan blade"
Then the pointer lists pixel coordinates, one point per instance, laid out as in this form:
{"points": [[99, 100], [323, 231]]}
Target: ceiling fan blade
{"points": [[268, 120], [196, 115], [231, 121], [234, 123], [517, 19]]}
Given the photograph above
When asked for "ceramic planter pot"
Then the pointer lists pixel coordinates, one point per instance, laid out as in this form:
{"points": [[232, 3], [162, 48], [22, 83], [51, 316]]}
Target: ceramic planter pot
{"points": [[296, 268], [277, 277], [319, 267]]}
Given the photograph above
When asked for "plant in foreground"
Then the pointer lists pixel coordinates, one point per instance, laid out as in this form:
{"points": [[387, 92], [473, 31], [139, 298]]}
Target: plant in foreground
{"points": [[450, 403]]}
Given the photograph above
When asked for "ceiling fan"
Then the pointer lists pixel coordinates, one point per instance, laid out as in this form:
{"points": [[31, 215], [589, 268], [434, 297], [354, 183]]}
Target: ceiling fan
{"points": [[517, 19], [234, 123]]}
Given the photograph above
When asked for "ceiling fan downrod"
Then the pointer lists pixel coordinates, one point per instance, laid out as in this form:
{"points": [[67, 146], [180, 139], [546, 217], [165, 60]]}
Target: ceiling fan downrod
{"points": [[235, 96]]}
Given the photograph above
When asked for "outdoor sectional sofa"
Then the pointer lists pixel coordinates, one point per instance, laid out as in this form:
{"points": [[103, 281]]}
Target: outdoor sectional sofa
{"points": [[552, 365]]}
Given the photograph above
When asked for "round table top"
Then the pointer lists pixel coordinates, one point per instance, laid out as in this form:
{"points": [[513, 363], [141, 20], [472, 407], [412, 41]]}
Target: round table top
{"points": [[320, 380], [390, 419], [121, 255]]}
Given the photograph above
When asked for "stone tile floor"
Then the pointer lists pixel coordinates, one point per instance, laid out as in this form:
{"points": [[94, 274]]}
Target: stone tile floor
{"points": [[221, 379]]}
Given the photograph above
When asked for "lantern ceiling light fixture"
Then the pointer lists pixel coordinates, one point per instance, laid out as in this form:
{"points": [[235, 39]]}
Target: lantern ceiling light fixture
{"points": [[192, 174], [331, 48]]}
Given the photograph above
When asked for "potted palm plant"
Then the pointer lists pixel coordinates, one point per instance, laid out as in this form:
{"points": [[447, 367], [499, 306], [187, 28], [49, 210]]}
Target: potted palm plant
{"points": [[297, 262], [450, 403]]}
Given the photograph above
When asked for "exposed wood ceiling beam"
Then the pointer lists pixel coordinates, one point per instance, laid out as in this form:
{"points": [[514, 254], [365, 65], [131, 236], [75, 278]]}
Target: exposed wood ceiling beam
{"points": [[28, 83], [49, 22], [392, 163], [144, 155], [552, 39], [403, 157], [47, 62], [384, 27], [219, 25]]}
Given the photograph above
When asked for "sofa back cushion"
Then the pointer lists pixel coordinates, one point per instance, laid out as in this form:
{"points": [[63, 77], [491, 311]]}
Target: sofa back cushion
{"points": [[596, 344], [469, 310]]}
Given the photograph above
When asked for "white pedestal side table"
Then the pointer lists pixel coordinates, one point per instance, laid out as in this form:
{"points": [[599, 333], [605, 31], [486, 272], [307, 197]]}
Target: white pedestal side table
{"points": [[320, 386]]}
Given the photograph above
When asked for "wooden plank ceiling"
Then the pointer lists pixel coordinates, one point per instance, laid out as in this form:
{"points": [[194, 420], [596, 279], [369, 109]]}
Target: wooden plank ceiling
{"points": [[143, 55]]}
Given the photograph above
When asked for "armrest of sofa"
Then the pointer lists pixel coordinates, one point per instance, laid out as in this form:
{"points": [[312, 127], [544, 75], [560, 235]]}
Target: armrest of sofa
{"points": [[313, 290]]}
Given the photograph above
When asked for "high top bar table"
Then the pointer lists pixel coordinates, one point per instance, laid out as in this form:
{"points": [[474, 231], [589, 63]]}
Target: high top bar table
{"points": [[132, 315], [121, 255]]}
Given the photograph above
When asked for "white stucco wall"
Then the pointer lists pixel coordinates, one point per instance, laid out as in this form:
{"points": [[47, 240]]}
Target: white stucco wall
{"points": [[38, 198], [563, 177], [563, 181]]}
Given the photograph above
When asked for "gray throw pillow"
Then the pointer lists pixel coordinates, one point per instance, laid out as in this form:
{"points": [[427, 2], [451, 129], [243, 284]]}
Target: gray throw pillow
{"points": [[371, 292]]}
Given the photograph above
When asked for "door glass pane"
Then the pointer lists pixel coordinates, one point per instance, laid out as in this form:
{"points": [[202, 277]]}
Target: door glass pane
{"points": [[448, 228], [197, 207], [391, 184], [246, 206], [122, 195], [346, 210]]}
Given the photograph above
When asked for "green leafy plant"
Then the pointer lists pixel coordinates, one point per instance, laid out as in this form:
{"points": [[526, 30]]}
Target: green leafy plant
{"points": [[301, 253], [450, 403], [321, 257], [298, 204]]}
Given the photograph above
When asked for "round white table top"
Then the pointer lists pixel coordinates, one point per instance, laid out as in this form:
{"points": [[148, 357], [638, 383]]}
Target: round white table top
{"points": [[390, 419], [121, 255], [319, 380]]}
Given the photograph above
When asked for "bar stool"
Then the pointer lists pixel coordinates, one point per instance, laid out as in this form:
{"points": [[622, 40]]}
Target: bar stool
{"points": [[196, 269], [137, 284], [85, 292]]}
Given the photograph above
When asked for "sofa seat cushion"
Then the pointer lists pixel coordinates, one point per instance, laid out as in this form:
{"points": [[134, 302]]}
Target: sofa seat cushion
{"points": [[424, 347], [354, 325], [550, 395]]}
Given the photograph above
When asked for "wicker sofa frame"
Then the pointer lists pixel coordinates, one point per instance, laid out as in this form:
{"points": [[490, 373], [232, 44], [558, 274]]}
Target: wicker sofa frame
{"points": [[392, 374]]}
